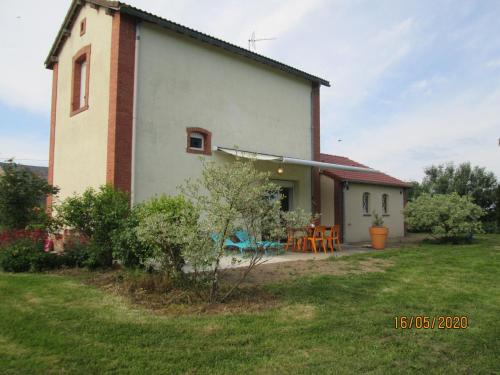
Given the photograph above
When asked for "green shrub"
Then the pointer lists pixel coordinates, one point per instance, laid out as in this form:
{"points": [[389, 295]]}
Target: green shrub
{"points": [[127, 248], [446, 216], [27, 255], [164, 226], [97, 214], [42, 261], [76, 255], [491, 227], [17, 256]]}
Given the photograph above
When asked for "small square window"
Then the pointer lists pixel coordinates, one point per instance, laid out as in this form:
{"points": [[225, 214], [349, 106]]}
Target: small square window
{"points": [[196, 141], [199, 141]]}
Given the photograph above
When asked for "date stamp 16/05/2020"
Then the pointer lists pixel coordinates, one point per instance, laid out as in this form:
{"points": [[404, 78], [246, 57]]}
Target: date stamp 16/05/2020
{"points": [[431, 322]]}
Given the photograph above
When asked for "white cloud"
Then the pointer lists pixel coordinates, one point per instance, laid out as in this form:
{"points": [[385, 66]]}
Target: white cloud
{"points": [[459, 128], [359, 60], [26, 34]]}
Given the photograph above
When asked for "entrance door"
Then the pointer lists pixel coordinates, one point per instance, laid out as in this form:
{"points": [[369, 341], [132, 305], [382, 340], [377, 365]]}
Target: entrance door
{"points": [[286, 199]]}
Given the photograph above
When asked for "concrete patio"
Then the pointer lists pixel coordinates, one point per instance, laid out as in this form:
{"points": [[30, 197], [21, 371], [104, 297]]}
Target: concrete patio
{"points": [[237, 260]]}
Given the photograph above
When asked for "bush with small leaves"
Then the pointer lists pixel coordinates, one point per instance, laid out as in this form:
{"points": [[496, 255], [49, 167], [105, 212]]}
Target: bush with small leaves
{"points": [[445, 216], [26, 255], [165, 226], [127, 248], [97, 214]]}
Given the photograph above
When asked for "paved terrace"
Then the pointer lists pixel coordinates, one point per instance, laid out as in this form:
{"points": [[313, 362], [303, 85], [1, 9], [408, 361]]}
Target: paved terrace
{"points": [[347, 249]]}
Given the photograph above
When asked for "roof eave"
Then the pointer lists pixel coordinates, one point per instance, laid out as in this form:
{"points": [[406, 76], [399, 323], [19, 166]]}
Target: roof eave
{"points": [[401, 184], [70, 15]]}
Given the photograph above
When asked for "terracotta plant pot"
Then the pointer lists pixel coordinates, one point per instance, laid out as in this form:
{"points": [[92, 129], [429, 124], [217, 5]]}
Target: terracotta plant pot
{"points": [[379, 237]]}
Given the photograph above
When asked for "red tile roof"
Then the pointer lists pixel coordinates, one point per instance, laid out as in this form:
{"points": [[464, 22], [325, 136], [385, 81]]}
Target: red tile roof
{"points": [[377, 178]]}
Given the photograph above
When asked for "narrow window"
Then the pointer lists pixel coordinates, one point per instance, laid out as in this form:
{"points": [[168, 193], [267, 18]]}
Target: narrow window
{"points": [[80, 84], [83, 82], [366, 203], [199, 141], [385, 203], [83, 26]]}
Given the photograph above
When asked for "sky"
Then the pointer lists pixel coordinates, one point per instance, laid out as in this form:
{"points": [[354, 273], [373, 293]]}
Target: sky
{"points": [[414, 83]]}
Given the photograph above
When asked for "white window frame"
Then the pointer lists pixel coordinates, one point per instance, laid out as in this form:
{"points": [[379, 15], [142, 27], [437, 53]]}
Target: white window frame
{"points": [[197, 136]]}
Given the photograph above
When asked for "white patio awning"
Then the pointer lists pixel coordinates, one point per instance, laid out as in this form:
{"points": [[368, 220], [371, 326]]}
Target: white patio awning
{"points": [[287, 160]]}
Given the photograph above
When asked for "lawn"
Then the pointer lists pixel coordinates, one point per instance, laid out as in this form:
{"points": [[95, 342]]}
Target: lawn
{"points": [[323, 323]]}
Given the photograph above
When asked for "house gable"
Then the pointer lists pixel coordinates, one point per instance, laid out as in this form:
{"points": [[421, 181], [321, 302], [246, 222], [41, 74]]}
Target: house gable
{"points": [[78, 149]]}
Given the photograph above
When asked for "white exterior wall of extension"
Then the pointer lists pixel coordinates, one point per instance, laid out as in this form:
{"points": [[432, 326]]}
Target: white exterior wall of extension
{"points": [[184, 83], [80, 149], [357, 223]]}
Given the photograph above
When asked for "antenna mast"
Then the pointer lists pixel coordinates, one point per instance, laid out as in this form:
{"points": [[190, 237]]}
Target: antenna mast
{"points": [[253, 40]]}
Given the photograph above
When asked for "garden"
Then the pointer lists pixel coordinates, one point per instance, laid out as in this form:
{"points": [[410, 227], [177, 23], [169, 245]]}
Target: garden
{"points": [[141, 289]]}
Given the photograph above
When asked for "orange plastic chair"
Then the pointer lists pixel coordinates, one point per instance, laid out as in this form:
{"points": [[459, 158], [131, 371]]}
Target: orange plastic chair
{"points": [[318, 234], [334, 237], [290, 240]]}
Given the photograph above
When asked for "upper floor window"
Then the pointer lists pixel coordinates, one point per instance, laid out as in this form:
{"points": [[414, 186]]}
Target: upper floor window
{"points": [[199, 141], [366, 203], [385, 204], [83, 26], [80, 84]]}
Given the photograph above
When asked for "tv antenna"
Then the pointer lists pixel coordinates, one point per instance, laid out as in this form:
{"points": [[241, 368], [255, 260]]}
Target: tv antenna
{"points": [[253, 40]]}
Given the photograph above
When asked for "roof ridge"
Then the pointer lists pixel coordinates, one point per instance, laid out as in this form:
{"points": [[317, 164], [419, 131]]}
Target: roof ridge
{"points": [[181, 29]]}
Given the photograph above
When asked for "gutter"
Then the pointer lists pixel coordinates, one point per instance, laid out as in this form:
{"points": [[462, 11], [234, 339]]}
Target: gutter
{"points": [[134, 112], [288, 160], [322, 165]]}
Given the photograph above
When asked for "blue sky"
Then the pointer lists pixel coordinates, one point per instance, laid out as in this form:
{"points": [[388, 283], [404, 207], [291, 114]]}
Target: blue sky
{"points": [[414, 83]]}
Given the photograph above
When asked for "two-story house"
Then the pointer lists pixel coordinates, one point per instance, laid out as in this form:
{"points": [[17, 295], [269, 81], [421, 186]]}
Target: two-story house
{"points": [[137, 99]]}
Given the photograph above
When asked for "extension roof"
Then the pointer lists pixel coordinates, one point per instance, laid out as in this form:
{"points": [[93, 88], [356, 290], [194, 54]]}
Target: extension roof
{"points": [[375, 178], [118, 6]]}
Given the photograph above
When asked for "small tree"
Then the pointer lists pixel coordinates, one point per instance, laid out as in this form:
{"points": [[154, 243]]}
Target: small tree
{"points": [[230, 197], [463, 179], [21, 195], [97, 214], [446, 216]]}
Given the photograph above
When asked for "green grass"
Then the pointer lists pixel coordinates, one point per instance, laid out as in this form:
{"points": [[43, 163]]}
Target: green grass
{"points": [[326, 324]]}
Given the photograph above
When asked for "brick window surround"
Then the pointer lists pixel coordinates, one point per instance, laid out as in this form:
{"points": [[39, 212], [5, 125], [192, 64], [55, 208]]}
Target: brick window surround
{"points": [[82, 56], [207, 141], [83, 26]]}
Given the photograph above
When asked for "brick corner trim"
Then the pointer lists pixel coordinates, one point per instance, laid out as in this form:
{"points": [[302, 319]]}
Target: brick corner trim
{"points": [[121, 101], [50, 177], [207, 141]]}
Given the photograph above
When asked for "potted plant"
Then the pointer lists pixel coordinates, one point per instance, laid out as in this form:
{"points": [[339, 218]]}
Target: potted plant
{"points": [[378, 232]]}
